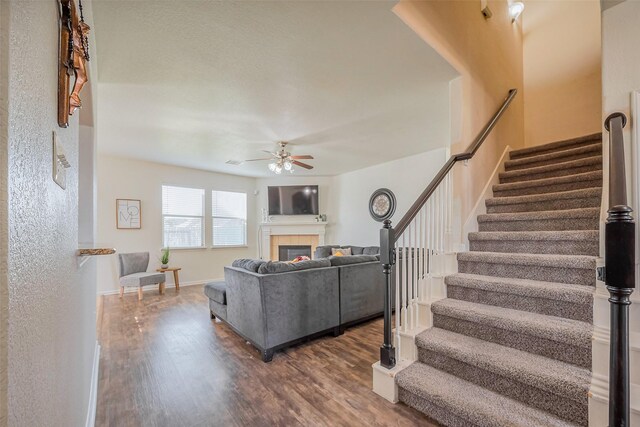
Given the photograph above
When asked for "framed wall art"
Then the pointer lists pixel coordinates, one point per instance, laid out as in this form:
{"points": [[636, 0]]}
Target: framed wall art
{"points": [[128, 214]]}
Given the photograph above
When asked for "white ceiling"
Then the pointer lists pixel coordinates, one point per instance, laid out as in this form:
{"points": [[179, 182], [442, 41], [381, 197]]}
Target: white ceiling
{"points": [[197, 83]]}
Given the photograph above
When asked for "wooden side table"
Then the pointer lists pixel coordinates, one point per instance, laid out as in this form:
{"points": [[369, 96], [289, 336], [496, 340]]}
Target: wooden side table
{"points": [[175, 270]]}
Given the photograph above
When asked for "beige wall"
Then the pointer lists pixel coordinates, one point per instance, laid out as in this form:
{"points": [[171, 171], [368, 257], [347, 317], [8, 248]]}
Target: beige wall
{"points": [[562, 76], [120, 178], [488, 56]]}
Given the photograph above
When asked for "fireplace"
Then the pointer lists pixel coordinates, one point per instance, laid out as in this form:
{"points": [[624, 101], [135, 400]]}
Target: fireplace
{"points": [[289, 252]]}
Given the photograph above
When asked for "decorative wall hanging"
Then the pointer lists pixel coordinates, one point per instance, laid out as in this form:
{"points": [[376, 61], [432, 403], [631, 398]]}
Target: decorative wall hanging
{"points": [[128, 214], [73, 55]]}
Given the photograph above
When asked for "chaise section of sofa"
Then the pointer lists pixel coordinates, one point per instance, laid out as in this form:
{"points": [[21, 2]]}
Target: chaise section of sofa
{"points": [[275, 310]]}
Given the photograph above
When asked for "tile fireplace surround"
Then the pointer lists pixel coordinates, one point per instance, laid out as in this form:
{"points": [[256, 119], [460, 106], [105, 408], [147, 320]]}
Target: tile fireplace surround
{"points": [[275, 234]]}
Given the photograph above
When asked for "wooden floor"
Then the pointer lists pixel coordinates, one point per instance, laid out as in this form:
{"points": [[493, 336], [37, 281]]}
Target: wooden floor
{"points": [[165, 363]]}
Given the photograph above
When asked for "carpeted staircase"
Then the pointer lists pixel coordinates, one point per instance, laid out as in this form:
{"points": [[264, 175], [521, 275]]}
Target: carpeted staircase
{"points": [[511, 343]]}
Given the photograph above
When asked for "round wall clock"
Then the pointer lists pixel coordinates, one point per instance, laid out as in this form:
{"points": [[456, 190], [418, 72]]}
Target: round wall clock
{"points": [[382, 204]]}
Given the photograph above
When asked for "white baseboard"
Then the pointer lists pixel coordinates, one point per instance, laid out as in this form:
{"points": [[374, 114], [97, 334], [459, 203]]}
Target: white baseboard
{"points": [[132, 289], [471, 224], [93, 391]]}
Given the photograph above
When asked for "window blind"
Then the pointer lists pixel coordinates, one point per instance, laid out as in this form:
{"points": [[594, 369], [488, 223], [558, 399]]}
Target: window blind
{"points": [[182, 217], [229, 218]]}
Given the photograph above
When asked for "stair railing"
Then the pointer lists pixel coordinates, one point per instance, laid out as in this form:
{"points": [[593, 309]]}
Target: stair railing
{"points": [[619, 274], [409, 251]]}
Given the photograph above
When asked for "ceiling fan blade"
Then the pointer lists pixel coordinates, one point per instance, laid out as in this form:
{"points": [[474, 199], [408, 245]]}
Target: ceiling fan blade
{"points": [[302, 165], [270, 152], [256, 160], [304, 157]]}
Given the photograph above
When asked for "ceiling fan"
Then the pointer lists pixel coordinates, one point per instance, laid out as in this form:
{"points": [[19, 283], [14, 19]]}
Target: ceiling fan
{"points": [[281, 160]]}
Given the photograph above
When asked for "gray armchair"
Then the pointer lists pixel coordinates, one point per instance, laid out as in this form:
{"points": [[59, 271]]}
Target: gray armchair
{"points": [[133, 272]]}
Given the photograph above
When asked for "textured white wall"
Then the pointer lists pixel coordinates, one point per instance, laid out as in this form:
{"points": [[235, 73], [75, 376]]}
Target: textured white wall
{"points": [[120, 178], [407, 178], [4, 226], [51, 334]]}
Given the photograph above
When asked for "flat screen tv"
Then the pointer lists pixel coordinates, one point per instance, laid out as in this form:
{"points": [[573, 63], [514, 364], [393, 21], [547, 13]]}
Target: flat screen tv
{"points": [[293, 200]]}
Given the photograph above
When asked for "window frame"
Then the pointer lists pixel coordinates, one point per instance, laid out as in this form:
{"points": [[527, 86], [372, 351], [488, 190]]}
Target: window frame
{"points": [[203, 233], [246, 220]]}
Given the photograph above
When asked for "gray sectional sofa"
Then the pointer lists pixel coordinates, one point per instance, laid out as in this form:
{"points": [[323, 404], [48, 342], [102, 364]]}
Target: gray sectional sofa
{"points": [[274, 305]]}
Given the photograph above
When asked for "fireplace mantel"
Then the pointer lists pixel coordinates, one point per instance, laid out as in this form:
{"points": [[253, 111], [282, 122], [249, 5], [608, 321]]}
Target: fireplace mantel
{"points": [[307, 228]]}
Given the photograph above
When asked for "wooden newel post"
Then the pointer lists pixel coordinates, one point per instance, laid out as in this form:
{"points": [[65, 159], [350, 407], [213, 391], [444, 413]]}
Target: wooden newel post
{"points": [[620, 231], [387, 350]]}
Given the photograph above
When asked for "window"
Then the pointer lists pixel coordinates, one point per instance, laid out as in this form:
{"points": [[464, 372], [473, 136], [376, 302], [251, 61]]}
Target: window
{"points": [[182, 217], [229, 218]]}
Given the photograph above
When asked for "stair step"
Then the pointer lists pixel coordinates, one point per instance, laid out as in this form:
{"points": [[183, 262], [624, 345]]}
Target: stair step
{"points": [[549, 298], [569, 219], [572, 167], [571, 153], [575, 269], [454, 402], [561, 339], [556, 146], [549, 185], [556, 387], [583, 198], [583, 242]]}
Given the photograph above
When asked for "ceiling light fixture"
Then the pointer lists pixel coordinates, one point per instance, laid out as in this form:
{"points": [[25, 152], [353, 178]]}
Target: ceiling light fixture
{"points": [[515, 9]]}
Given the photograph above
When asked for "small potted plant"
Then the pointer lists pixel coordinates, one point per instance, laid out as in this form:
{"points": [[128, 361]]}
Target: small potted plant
{"points": [[164, 259]]}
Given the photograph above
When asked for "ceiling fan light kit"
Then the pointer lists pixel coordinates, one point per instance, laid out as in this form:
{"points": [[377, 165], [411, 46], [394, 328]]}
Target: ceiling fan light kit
{"points": [[281, 160]]}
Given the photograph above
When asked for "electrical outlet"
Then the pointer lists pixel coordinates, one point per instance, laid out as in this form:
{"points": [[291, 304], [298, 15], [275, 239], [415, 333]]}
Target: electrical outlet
{"points": [[60, 163]]}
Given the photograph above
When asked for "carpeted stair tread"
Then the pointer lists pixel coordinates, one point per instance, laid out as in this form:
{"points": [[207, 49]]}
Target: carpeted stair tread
{"points": [[588, 235], [586, 197], [582, 242], [550, 185], [539, 260], [557, 329], [575, 269], [558, 145], [534, 198], [458, 403], [566, 219], [559, 378], [554, 157], [571, 167], [523, 287]]}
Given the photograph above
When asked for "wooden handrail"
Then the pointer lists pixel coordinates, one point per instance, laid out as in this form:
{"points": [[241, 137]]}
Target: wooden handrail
{"points": [[389, 235], [441, 175]]}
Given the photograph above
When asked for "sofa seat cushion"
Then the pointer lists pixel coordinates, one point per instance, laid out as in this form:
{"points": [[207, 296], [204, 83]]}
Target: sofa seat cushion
{"points": [[142, 279], [216, 291], [248, 264], [353, 259], [271, 267]]}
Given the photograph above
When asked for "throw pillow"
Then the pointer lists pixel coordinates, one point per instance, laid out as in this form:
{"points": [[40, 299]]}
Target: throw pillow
{"points": [[300, 258], [341, 251]]}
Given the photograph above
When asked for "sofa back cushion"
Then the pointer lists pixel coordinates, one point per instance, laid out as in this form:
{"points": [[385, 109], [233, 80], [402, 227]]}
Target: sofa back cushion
{"points": [[248, 264], [271, 267], [354, 259], [323, 251], [371, 250]]}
